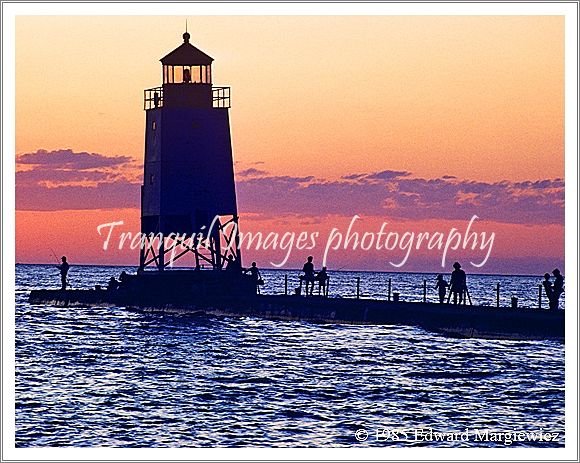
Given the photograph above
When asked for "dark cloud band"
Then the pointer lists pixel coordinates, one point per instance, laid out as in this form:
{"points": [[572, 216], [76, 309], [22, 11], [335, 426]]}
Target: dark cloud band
{"points": [[49, 184]]}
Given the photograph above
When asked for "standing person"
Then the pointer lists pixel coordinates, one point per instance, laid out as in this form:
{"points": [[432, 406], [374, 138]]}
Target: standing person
{"points": [[458, 283], [123, 279], [64, 267], [442, 286], [255, 272], [233, 264], [558, 288], [308, 270], [547, 284]]}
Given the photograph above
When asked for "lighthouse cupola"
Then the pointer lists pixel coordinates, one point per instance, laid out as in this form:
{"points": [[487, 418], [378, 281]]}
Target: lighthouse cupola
{"points": [[187, 76]]}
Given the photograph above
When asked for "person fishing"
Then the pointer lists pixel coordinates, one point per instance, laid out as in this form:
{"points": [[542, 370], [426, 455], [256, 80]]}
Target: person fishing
{"points": [[442, 286], [64, 268], [558, 288], [547, 284], [458, 283]]}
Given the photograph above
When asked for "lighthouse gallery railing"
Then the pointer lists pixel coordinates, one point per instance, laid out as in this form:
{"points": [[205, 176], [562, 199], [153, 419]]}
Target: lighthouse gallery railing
{"points": [[153, 97]]}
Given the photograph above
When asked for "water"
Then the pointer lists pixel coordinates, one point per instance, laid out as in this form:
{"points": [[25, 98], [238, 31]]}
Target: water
{"points": [[114, 377]]}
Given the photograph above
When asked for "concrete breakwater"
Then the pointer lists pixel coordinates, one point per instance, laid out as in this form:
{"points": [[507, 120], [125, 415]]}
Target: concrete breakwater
{"points": [[462, 321]]}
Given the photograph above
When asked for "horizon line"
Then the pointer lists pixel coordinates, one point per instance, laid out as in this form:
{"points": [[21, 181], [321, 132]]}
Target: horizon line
{"points": [[340, 270]]}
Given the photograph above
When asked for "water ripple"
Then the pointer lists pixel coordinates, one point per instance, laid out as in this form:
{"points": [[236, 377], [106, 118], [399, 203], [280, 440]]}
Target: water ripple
{"points": [[119, 378]]}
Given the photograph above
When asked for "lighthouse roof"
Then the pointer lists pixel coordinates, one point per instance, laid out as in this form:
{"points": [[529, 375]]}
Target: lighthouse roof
{"points": [[186, 54]]}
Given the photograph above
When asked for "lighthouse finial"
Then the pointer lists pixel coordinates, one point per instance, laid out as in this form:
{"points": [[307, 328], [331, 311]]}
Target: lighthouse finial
{"points": [[186, 35]]}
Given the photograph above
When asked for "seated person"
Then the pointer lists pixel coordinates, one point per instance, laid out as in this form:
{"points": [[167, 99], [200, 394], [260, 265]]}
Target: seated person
{"points": [[113, 284], [322, 278]]}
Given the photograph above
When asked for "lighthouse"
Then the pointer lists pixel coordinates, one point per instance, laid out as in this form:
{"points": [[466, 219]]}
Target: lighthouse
{"points": [[188, 183]]}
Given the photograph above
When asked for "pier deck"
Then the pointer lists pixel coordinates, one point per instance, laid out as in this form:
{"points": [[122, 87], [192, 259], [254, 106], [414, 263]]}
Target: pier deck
{"points": [[461, 321]]}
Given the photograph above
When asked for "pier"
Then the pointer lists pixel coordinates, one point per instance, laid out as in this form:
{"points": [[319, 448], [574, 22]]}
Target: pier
{"points": [[208, 293]]}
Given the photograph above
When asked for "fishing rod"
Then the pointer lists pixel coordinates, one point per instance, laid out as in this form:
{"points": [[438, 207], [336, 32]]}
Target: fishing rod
{"points": [[54, 254], [58, 261]]}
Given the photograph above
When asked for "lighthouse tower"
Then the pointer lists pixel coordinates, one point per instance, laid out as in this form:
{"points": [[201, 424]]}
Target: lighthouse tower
{"points": [[188, 186]]}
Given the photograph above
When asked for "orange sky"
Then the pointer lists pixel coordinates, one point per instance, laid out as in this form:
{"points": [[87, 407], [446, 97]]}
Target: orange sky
{"points": [[476, 97], [479, 97], [66, 234]]}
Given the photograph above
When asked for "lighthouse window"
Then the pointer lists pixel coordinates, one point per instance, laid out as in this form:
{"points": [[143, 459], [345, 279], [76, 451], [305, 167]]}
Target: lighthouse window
{"points": [[167, 74], [151, 178], [196, 74], [178, 74], [154, 125], [201, 74]]}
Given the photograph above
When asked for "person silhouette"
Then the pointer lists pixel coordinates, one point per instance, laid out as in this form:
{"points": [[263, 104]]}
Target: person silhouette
{"points": [[558, 288], [547, 284], [113, 284], [233, 264], [322, 278], [458, 283], [123, 280], [442, 286], [186, 76], [64, 268], [308, 277], [255, 273]]}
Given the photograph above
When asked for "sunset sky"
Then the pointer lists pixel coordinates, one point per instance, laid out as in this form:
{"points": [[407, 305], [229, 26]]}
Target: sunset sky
{"points": [[419, 121]]}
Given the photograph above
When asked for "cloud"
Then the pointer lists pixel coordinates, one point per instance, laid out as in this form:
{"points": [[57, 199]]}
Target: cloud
{"points": [[387, 175], [382, 175], [68, 159], [95, 181], [112, 195], [397, 194], [34, 176], [63, 179], [251, 172]]}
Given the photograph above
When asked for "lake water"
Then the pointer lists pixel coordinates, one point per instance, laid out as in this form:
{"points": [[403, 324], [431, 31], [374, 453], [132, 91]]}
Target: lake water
{"points": [[114, 377]]}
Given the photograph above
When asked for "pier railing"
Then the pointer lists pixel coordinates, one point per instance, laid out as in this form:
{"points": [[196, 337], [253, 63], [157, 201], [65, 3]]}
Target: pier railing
{"points": [[423, 291]]}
